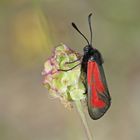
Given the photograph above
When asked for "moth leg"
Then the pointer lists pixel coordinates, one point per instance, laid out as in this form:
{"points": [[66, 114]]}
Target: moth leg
{"points": [[73, 61], [70, 68], [85, 85]]}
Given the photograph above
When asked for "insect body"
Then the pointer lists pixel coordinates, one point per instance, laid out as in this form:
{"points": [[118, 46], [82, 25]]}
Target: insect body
{"points": [[98, 97]]}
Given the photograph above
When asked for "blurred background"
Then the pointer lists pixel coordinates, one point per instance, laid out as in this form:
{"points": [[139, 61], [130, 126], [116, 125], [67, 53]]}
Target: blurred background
{"points": [[29, 30]]}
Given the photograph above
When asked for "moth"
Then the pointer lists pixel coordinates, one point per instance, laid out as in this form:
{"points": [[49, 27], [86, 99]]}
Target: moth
{"points": [[98, 97]]}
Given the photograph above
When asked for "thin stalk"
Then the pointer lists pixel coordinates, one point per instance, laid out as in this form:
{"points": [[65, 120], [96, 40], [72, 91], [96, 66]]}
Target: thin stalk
{"points": [[83, 118]]}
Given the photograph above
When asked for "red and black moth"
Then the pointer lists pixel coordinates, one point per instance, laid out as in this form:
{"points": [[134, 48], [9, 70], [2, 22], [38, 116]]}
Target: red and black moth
{"points": [[98, 97]]}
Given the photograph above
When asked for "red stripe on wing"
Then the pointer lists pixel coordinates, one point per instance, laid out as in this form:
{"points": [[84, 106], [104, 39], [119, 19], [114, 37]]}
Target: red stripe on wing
{"points": [[95, 84]]}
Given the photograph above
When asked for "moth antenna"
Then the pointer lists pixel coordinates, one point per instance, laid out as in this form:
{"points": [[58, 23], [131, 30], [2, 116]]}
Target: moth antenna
{"points": [[75, 27], [90, 27]]}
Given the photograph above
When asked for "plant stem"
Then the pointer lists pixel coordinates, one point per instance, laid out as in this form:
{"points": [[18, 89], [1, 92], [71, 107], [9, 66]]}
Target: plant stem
{"points": [[83, 118]]}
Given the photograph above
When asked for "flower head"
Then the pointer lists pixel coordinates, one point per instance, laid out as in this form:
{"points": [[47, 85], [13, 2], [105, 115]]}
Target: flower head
{"points": [[65, 85]]}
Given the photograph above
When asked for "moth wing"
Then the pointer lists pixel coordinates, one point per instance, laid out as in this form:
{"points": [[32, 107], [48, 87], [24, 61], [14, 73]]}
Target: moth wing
{"points": [[98, 95]]}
